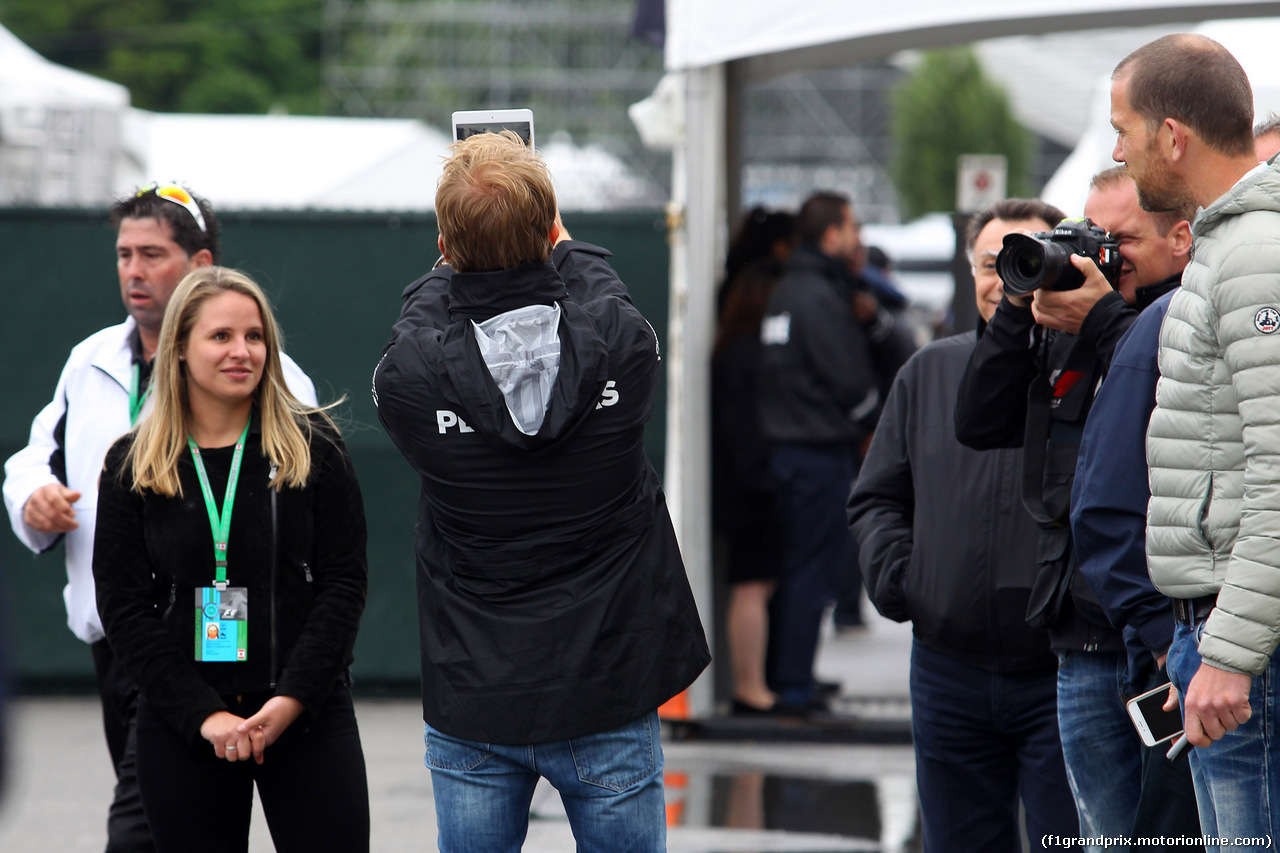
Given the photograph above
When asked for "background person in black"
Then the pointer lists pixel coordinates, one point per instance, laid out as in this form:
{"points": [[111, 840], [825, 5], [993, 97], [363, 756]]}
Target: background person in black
{"points": [[554, 612], [827, 348], [1030, 383], [209, 726]]}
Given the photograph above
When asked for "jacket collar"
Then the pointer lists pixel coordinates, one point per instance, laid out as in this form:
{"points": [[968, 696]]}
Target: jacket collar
{"points": [[809, 258], [117, 361], [481, 295], [1145, 295]]}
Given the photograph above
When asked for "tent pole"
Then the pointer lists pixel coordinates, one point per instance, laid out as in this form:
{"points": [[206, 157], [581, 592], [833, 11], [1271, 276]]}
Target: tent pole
{"points": [[696, 228]]}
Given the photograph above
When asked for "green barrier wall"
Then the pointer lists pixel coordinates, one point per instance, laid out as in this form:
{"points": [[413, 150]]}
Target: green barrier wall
{"points": [[335, 280]]}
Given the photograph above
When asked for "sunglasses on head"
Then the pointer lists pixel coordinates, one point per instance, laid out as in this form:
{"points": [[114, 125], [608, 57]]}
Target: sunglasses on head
{"points": [[179, 196]]}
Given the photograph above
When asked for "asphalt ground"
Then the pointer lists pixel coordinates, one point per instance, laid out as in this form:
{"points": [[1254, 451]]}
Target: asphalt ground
{"points": [[734, 796]]}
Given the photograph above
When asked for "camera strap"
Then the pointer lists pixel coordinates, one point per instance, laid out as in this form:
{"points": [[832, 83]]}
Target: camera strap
{"points": [[1035, 451]]}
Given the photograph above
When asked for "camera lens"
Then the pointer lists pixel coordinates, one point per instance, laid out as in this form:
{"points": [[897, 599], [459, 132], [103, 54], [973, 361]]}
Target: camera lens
{"points": [[1029, 265], [1020, 264]]}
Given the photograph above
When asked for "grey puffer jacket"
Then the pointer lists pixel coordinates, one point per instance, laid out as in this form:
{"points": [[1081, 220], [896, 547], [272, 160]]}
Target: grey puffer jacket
{"points": [[1213, 444]]}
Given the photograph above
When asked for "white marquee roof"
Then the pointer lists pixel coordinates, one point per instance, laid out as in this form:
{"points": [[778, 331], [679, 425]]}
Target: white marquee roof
{"points": [[816, 33], [27, 79]]}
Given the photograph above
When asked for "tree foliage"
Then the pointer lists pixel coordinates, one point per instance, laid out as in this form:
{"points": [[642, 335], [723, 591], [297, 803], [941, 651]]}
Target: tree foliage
{"points": [[217, 56], [946, 108]]}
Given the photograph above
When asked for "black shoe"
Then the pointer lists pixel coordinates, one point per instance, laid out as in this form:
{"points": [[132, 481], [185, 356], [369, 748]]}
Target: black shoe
{"points": [[827, 689], [742, 709]]}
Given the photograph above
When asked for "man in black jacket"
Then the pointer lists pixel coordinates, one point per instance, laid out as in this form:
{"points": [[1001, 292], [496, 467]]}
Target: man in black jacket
{"points": [[946, 543], [819, 399], [552, 600], [1030, 383]]}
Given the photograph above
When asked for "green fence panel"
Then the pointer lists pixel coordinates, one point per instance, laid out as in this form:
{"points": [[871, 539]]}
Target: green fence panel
{"points": [[335, 279]]}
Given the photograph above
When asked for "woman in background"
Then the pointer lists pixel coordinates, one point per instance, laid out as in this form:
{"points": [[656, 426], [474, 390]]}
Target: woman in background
{"points": [[744, 494]]}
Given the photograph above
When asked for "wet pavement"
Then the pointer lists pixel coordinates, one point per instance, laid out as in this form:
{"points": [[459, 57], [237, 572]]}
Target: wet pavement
{"points": [[770, 789]]}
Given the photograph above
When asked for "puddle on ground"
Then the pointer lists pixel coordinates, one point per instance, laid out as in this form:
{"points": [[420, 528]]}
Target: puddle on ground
{"points": [[879, 812]]}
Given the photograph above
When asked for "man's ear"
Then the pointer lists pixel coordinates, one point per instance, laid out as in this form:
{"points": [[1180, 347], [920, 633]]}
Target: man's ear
{"points": [[1179, 238], [202, 258], [555, 233], [1174, 136], [440, 243]]}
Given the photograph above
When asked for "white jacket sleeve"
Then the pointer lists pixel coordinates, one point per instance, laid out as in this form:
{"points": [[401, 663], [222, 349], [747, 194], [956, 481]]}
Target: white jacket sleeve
{"points": [[30, 469], [300, 385]]}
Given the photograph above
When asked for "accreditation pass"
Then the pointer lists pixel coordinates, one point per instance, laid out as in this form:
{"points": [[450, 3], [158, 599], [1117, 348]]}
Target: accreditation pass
{"points": [[222, 624]]}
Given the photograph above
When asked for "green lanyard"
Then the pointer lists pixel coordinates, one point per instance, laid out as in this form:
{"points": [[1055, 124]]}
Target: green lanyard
{"points": [[221, 523], [136, 401]]}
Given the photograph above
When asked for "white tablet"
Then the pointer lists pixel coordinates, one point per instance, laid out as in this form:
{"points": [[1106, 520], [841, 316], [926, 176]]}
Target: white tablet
{"points": [[469, 122]]}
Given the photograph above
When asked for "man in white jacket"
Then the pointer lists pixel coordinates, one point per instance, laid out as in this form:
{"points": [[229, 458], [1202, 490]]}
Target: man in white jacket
{"points": [[51, 485], [1183, 111]]}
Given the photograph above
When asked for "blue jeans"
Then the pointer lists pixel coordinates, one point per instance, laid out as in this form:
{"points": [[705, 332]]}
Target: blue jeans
{"points": [[820, 552], [611, 785], [1102, 750], [983, 741], [1237, 787]]}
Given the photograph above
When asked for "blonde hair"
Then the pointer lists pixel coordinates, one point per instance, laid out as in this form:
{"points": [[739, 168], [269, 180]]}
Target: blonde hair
{"points": [[495, 204], [161, 437]]}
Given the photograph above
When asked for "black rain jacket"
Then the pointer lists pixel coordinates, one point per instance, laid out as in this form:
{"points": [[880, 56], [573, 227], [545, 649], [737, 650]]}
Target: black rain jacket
{"points": [[552, 598]]}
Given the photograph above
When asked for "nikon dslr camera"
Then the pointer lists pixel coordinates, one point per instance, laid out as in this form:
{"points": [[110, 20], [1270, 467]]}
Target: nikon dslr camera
{"points": [[1043, 259]]}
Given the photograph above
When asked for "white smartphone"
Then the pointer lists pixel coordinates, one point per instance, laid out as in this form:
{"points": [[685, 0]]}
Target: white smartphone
{"points": [[469, 122], [1154, 724]]}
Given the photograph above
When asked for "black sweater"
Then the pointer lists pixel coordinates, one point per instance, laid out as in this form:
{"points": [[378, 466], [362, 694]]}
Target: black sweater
{"points": [[152, 554]]}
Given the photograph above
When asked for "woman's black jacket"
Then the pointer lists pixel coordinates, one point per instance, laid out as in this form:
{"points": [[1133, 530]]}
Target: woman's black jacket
{"points": [[306, 594]]}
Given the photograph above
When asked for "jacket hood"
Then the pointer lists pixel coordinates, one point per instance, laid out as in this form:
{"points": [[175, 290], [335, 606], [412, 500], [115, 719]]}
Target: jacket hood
{"points": [[480, 295], [1260, 191], [583, 356]]}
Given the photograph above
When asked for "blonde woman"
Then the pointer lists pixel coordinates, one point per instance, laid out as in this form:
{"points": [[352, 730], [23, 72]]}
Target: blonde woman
{"points": [[230, 570]]}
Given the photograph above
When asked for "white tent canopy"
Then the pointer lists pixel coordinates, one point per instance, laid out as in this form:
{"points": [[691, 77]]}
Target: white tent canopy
{"points": [[824, 33], [27, 79], [716, 46], [58, 128], [257, 162], [68, 138]]}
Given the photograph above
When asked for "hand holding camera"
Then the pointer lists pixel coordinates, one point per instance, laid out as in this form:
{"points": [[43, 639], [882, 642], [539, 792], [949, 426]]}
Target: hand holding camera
{"points": [[1068, 268], [1065, 310]]}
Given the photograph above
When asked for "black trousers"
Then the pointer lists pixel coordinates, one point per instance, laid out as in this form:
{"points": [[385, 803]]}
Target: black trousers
{"points": [[312, 784], [985, 742], [127, 829]]}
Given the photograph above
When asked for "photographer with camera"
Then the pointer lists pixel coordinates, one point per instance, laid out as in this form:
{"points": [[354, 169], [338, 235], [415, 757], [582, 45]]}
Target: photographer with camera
{"points": [[1069, 296]]}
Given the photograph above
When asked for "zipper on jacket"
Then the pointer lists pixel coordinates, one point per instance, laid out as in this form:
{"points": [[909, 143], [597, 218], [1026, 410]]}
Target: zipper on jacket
{"points": [[275, 546], [306, 568]]}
